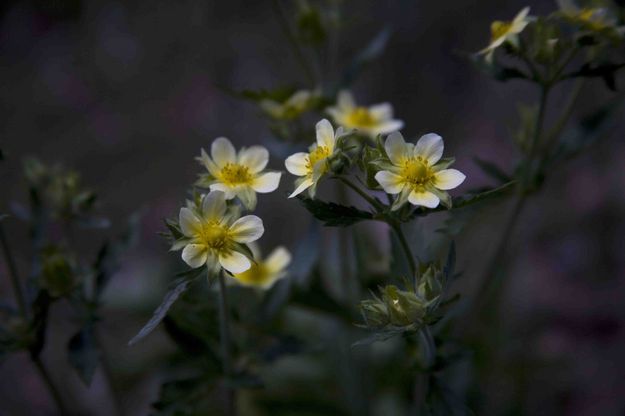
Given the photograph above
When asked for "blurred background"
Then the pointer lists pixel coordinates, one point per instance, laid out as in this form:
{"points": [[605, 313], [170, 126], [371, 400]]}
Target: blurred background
{"points": [[128, 92]]}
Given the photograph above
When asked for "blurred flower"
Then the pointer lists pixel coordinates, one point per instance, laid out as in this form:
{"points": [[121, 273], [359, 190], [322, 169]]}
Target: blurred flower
{"points": [[239, 175], [298, 103], [313, 165], [57, 271], [373, 120], [502, 32], [264, 273], [395, 307], [595, 19], [213, 234], [416, 172]]}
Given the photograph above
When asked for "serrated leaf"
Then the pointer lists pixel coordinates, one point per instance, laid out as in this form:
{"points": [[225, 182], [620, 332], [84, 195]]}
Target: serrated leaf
{"points": [[160, 312], [332, 214], [606, 71], [83, 354]]}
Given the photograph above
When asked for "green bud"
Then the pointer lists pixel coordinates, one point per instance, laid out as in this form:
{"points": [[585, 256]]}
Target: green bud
{"points": [[57, 276]]}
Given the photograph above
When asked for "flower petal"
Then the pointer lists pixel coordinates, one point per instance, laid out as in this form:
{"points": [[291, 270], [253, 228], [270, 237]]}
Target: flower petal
{"points": [[325, 134], [430, 147], [391, 183], [208, 163], [223, 152], [234, 262], [381, 112], [255, 158], [195, 255], [267, 182], [395, 147], [247, 229], [448, 179], [345, 101], [229, 192], [296, 164], [189, 222], [304, 184], [214, 205], [278, 260], [387, 127], [424, 198]]}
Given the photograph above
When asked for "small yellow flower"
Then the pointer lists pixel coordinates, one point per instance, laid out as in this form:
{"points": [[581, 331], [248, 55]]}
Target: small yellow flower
{"points": [[264, 273], [214, 234], [238, 175], [373, 120], [415, 172], [595, 19], [292, 108], [502, 32], [313, 165]]}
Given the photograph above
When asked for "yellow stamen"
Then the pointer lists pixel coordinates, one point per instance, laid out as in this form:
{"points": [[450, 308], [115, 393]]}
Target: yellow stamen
{"points": [[360, 117], [257, 274], [499, 29], [234, 174], [215, 236], [417, 173], [318, 154]]}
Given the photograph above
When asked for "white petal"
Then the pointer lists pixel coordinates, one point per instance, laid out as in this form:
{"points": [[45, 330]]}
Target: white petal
{"points": [[395, 147], [448, 179], [389, 181], [247, 229], [381, 112], [247, 196], [345, 101], [208, 163], [430, 147], [425, 198], [522, 15], [303, 185], [325, 134], [223, 152], [214, 205], [296, 164], [235, 262], [388, 127], [229, 192], [189, 222], [278, 260], [255, 158], [195, 255], [267, 182]]}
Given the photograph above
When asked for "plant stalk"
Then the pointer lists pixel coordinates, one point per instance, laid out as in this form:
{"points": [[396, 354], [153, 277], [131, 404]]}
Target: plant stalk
{"points": [[224, 329], [54, 392], [15, 280]]}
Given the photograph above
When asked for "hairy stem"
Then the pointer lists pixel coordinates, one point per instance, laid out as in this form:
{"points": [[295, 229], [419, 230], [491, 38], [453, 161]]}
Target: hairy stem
{"points": [[54, 392], [15, 280], [372, 201], [224, 330], [406, 247]]}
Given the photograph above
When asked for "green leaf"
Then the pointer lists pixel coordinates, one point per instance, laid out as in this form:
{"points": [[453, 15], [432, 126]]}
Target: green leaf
{"points": [[492, 170], [606, 71], [334, 215], [371, 52], [310, 26], [83, 354], [181, 285]]}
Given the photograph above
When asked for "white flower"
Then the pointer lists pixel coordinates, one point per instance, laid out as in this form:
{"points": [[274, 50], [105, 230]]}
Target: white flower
{"points": [[238, 175], [214, 234], [595, 19], [373, 120], [416, 172], [502, 32], [264, 273], [313, 165], [293, 107]]}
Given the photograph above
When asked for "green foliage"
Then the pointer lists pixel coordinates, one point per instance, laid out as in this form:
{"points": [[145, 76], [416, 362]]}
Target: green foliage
{"points": [[332, 214]]}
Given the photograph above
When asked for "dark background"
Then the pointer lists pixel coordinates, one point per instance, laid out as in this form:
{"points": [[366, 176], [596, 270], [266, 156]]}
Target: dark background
{"points": [[128, 92]]}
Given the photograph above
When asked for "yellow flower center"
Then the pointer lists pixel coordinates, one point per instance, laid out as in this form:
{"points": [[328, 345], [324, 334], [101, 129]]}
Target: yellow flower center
{"points": [[417, 173], [234, 174], [499, 29], [318, 154], [215, 236], [360, 117], [592, 17], [255, 275]]}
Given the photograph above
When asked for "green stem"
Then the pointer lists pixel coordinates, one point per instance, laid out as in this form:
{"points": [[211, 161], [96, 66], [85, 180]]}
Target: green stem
{"points": [[405, 246], [224, 330], [372, 201], [108, 377], [15, 280], [297, 50], [54, 392]]}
